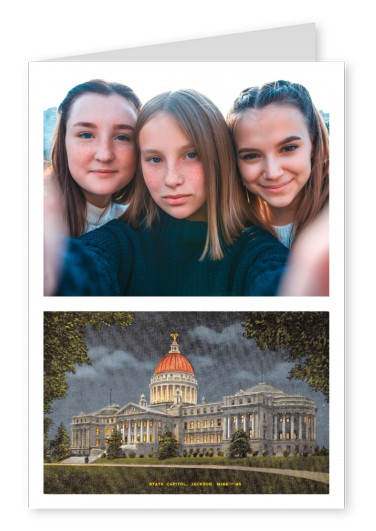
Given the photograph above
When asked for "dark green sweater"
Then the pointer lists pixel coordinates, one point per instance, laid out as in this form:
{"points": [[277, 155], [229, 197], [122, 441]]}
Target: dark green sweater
{"points": [[164, 260]]}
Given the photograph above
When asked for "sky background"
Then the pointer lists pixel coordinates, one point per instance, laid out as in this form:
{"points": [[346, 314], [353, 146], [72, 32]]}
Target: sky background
{"points": [[123, 361]]}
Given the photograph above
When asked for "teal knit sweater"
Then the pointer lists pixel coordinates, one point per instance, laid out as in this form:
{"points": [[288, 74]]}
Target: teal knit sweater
{"points": [[164, 260]]}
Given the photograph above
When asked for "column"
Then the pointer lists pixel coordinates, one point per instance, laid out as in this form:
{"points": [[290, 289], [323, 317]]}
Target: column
{"points": [[244, 423], [275, 427], [148, 430], [306, 429], [224, 427], [300, 427], [142, 430], [284, 426], [314, 426], [129, 432], [292, 426], [236, 422]]}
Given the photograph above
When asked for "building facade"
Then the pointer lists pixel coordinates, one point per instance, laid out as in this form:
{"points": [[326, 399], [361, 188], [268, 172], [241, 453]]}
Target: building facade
{"points": [[273, 420]]}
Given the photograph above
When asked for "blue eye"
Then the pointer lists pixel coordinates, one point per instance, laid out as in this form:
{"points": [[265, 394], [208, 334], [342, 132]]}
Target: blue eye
{"points": [[292, 147], [123, 138], [86, 136], [191, 155], [250, 156], [155, 160]]}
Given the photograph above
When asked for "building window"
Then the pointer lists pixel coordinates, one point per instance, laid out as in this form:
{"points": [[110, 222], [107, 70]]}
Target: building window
{"points": [[145, 423], [132, 438], [205, 424], [145, 439], [219, 422], [107, 431], [242, 418], [151, 423], [97, 431], [191, 439], [205, 439], [132, 424], [138, 424], [191, 424], [280, 435], [212, 423], [198, 439], [151, 438], [159, 423], [287, 419], [287, 435], [250, 417], [240, 401], [212, 437], [97, 442], [199, 423], [304, 419], [309, 421], [126, 425], [185, 425], [234, 419], [219, 437], [185, 439], [250, 433], [198, 411]]}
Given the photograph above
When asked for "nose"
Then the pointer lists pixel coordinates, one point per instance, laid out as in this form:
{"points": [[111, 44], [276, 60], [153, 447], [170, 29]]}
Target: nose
{"points": [[273, 168], [104, 152], [173, 177]]}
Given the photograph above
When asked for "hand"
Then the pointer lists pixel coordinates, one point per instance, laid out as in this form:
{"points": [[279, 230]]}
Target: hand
{"points": [[55, 233], [308, 271]]}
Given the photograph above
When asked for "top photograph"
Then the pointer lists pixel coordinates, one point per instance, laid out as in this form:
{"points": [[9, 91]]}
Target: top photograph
{"points": [[186, 179]]}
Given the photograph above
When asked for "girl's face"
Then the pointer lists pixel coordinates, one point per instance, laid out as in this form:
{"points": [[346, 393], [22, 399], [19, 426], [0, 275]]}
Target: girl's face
{"points": [[273, 149], [172, 169], [100, 145]]}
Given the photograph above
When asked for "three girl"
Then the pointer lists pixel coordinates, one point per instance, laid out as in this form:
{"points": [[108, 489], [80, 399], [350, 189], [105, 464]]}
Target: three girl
{"points": [[185, 229]]}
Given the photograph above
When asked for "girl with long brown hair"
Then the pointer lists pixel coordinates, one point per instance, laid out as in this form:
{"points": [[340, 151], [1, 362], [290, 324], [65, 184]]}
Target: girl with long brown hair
{"points": [[282, 150]]}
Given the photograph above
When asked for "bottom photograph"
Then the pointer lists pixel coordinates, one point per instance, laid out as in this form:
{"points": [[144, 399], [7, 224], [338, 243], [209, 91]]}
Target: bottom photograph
{"points": [[186, 403]]}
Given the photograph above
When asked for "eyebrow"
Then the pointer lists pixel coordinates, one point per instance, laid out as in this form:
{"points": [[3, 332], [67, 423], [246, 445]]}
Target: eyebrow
{"points": [[93, 126], [284, 141], [182, 149]]}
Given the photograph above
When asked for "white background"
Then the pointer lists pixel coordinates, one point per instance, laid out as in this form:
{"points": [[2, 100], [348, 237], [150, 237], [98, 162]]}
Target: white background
{"points": [[40, 30]]}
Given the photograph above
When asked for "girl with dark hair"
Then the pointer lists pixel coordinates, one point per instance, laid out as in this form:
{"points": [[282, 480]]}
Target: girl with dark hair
{"points": [[282, 151], [94, 156], [184, 230]]}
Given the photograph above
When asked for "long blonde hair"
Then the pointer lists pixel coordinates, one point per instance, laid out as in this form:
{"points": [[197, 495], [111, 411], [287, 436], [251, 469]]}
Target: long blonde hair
{"points": [[315, 193], [202, 122]]}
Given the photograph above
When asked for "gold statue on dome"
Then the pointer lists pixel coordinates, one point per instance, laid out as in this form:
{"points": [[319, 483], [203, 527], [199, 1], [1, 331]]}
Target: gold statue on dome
{"points": [[174, 336]]}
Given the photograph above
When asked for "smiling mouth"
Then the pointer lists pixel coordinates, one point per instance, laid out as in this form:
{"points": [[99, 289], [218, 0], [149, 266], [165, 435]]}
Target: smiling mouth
{"points": [[104, 173], [276, 188]]}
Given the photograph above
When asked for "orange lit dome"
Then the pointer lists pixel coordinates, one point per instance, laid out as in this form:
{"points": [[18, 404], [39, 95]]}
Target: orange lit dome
{"points": [[174, 361]]}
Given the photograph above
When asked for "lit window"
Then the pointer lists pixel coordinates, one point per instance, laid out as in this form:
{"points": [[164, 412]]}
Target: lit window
{"points": [[304, 419], [211, 423], [219, 437], [97, 431], [250, 433], [191, 439], [199, 423], [250, 417], [97, 442], [159, 423], [287, 419], [242, 418], [198, 439], [185, 438], [132, 438], [309, 421], [145, 423], [280, 435], [191, 424], [287, 435], [151, 423], [159, 438], [205, 438], [234, 419], [132, 424], [219, 422], [138, 424], [107, 431], [212, 437], [205, 423], [126, 425], [145, 438], [151, 438]]}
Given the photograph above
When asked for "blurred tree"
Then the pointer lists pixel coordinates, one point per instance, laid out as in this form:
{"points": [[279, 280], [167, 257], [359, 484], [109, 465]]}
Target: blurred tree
{"points": [[61, 444], [168, 445], [114, 444], [239, 446]]}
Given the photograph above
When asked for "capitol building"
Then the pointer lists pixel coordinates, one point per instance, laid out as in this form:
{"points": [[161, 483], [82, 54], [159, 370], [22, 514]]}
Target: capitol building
{"points": [[273, 420]]}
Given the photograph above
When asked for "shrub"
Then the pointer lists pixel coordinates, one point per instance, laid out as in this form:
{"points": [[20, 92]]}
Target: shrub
{"points": [[285, 453], [195, 454], [141, 455], [132, 455], [150, 454], [103, 456], [264, 453], [210, 453], [255, 453], [201, 454], [305, 453], [324, 451]]}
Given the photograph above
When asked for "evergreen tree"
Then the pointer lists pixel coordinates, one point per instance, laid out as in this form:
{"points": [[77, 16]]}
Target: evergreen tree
{"points": [[239, 444], [114, 444], [168, 445], [61, 444]]}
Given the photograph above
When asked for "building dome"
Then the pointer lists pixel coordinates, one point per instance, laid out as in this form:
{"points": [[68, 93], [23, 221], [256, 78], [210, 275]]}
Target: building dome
{"points": [[174, 379], [174, 361]]}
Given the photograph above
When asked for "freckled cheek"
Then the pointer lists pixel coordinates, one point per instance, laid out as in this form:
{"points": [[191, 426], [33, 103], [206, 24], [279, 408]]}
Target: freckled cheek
{"points": [[78, 156], [153, 177], [194, 173]]}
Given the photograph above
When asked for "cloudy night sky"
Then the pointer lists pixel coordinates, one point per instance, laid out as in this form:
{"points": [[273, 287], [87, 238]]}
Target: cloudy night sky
{"points": [[123, 361]]}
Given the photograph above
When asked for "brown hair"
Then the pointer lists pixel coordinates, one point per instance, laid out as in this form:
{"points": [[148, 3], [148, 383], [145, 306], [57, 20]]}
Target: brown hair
{"points": [[206, 128], [315, 193], [73, 196]]}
